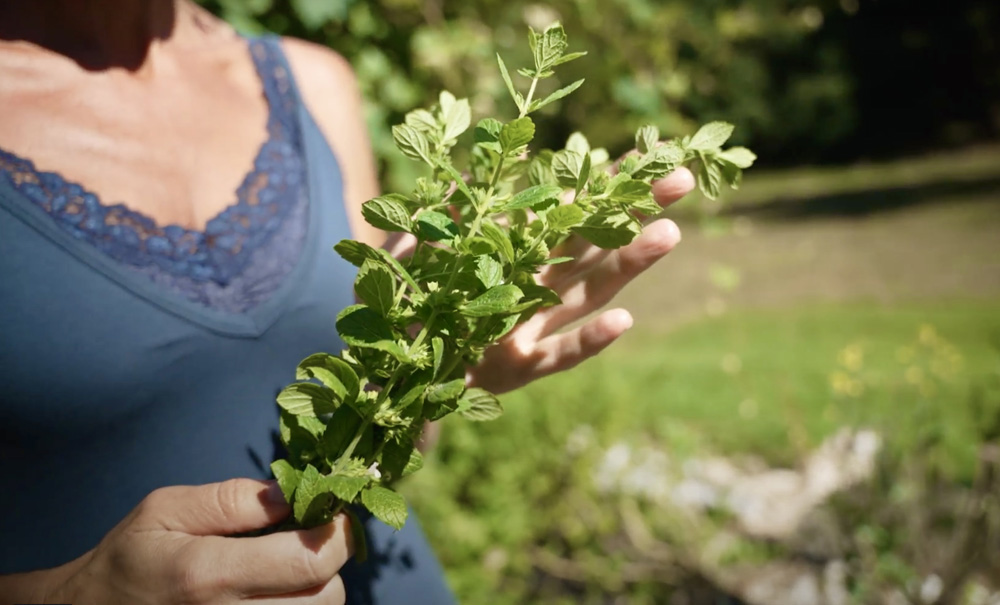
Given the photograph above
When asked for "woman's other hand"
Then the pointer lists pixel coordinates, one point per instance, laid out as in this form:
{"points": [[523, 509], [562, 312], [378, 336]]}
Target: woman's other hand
{"points": [[173, 548]]}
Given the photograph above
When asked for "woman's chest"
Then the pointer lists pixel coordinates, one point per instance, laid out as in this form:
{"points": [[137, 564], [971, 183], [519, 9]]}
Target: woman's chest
{"points": [[175, 151]]}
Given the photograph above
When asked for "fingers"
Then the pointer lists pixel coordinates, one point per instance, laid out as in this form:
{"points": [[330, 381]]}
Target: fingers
{"points": [[332, 593], [216, 509], [619, 267], [673, 187], [666, 191], [279, 564], [563, 351]]}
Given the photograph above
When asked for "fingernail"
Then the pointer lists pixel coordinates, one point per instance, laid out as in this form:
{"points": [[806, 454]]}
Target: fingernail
{"points": [[273, 494]]}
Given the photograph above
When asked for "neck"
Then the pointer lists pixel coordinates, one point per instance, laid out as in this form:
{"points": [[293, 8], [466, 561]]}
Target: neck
{"points": [[97, 34]]}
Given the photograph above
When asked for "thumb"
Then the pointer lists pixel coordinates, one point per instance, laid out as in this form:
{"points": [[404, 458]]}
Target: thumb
{"points": [[219, 509]]}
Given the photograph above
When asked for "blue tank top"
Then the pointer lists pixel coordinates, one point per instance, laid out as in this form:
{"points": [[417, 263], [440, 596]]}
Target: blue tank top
{"points": [[112, 384]]}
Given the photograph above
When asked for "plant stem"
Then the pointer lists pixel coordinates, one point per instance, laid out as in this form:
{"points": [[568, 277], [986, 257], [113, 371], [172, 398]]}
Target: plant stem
{"points": [[527, 100]]}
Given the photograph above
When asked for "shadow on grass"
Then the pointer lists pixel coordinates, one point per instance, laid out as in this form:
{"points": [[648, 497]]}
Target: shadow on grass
{"points": [[862, 204]]}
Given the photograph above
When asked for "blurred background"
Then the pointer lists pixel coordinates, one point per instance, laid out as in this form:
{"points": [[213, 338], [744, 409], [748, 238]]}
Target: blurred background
{"points": [[808, 408]]}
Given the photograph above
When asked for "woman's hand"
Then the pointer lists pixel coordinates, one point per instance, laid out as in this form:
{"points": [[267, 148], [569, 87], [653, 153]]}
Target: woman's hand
{"points": [[533, 349], [173, 549]]}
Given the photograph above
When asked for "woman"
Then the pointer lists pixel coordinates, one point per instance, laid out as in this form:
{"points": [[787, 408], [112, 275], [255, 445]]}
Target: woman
{"points": [[150, 315]]}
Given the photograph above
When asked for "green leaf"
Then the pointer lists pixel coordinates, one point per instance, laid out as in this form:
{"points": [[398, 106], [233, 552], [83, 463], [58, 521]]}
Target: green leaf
{"points": [[435, 226], [387, 506], [437, 347], [709, 178], [731, 174], [495, 300], [360, 326], [300, 434], [394, 458], [288, 478], [646, 138], [578, 143], [516, 134], [398, 268], [569, 57], [661, 160], [487, 134], [412, 142], [609, 231], [711, 136], [422, 120], [341, 429], [558, 260], [549, 46], [479, 405], [387, 213], [581, 179], [446, 391], [312, 500], [346, 487], [741, 157], [567, 165], [563, 218], [376, 286], [489, 271], [629, 192], [332, 372], [355, 252], [308, 399], [559, 94], [358, 536], [518, 99], [534, 197], [456, 113], [500, 240]]}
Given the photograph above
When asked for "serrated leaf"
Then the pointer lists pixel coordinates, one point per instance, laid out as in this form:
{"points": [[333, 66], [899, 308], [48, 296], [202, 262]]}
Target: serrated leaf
{"points": [[435, 226], [312, 501], [355, 252], [630, 192], [398, 268], [387, 506], [360, 326], [711, 136], [457, 115], [299, 434], [422, 120], [499, 238], [412, 142], [395, 458], [487, 134], [376, 287], [647, 206], [308, 399], [741, 157], [569, 57], [516, 134], [445, 391], [609, 231], [660, 161], [495, 300], [518, 99], [563, 218], [340, 431], [646, 138], [345, 487], [731, 174], [479, 405], [549, 46], [533, 197], [489, 271], [288, 478], [332, 372], [578, 143], [559, 94], [709, 178], [566, 165], [387, 213]]}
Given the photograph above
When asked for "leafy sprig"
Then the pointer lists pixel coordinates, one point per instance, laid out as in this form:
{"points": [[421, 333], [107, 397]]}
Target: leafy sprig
{"points": [[350, 423]]}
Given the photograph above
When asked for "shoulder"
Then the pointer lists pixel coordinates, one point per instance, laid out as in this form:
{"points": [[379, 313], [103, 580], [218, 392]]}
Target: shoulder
{"points": [[331, 93]]}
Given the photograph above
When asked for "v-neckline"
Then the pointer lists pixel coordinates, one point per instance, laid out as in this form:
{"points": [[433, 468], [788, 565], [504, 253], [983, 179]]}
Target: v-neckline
{"points": [[250, 323]]}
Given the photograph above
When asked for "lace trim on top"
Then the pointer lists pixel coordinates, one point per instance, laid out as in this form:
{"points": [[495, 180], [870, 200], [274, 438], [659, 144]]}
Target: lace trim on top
{"points": [[220, 252]]}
